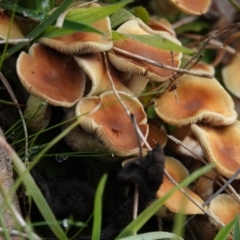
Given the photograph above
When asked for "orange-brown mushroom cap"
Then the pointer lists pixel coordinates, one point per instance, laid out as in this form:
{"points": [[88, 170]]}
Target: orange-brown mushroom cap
{"points": [[5, 23], [221, 145], [83, 42], [110, 122], [223, 208], [51, 75], [178, 202], [231, 77], [196, 7], [198, 100], [136, 67]]}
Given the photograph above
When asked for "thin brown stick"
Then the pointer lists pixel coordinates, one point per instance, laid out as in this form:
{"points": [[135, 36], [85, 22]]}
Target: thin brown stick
{"points": [[161, 65], [177, 141], [184, 21], [214, 34], [14, 99]]}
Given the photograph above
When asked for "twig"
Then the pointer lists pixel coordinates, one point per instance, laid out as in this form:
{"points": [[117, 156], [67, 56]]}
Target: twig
{"points": [[213, 43], [184, 21], [161, 65], [15, 233], [235, 195], [214, 34], [130, 115], [146, 143], [11, 93], [15, 40]]}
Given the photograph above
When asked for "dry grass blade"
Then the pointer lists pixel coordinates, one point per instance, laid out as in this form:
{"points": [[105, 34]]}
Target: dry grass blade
{"points": [[161, 65], [14, 99]]}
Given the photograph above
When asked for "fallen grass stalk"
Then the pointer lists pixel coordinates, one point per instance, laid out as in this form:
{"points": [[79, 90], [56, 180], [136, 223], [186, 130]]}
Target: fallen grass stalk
{"points": [[161, 65]]}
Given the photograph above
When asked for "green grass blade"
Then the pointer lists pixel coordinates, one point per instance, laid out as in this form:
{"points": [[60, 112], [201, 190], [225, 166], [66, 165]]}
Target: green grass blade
{"points": [[97, 217], [40, 28], [27, 12], [119, 17], [236, 233], [69, 27], [136, 224], [154, 41], [91, 15], [224, 232], [33, 190], [153, 236]]}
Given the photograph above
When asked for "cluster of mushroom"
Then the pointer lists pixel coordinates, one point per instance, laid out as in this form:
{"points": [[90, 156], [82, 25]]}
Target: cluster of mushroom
{"points": [[70, 71], [206, 119]]}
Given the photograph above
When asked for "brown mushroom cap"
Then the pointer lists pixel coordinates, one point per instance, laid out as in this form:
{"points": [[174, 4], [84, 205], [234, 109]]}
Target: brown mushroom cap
{"points": [[196, 7], [199, 100], [83, 42], [178, 202], [5, 24], [111, 124], [51, 75], [221, 145], [136, 67], [231, 78], [223, 208], [93, 65], [161, 24]]}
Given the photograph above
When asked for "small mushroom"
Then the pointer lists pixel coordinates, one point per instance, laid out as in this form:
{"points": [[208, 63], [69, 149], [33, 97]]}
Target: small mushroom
{"points": [[231, 78], [224, 209], [198, 100], [197, 7], [221, 146], [83, 42], [178, 202], [110, 123], [51, 75], [136, 67], [37, 113], [8, 27], [79, 140], [161, 24]]}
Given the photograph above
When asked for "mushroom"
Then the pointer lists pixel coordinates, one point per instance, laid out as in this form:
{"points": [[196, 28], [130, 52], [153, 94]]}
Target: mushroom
{"points": [[135, 67], [79, 140], [197, 7], [9, 27], [51, 75], [110, 123], [224, 209], [198, 100], [161, 24], [37, 113], [221, 146], [83, 42], [178, 202], [93, 65], [230, 74]]}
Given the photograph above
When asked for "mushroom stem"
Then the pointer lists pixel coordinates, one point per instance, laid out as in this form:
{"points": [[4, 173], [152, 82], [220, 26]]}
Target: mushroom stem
{"points": [[161, 65]]}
